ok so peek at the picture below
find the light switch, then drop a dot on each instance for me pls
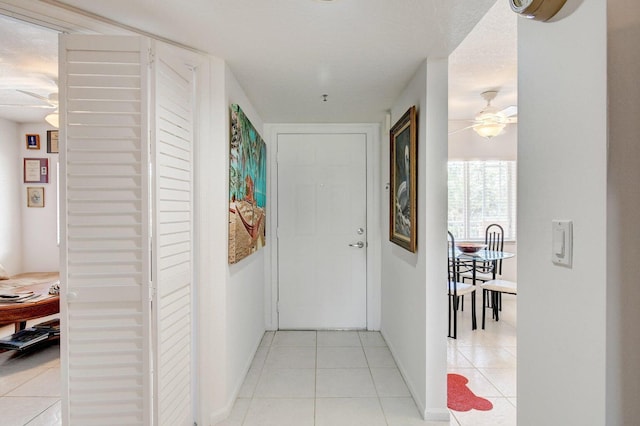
(561, 242)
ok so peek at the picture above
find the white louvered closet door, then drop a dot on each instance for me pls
(105, 245)
(172, 159)
(126, 207)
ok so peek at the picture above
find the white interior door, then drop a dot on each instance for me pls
(322, 238)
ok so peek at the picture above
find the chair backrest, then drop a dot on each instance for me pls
(494, 239)
(451, 268)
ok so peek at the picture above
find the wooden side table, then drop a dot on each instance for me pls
(19, 313)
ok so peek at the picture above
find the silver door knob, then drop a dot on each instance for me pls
(359, 244)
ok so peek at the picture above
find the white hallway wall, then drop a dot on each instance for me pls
(10, 197)
(247, 280)
(230, 297)
(40, 250)
(28, 234)
(562, 152)
(414, 300)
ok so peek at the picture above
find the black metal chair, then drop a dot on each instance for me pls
(457, 289)
(494, 289)
(485, 271)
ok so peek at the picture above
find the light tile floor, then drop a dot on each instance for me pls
(324, 378)
(488, 359)
(311, 378)
(30, 387)
(350, 378)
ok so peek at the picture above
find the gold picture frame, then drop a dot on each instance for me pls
(404, 170)
(33, 141)
(35, 196)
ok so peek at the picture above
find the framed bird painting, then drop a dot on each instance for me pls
(404, 170)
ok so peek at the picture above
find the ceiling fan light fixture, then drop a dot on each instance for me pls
(53, 119)
(491, 121)
(491, 115)
(489, 129)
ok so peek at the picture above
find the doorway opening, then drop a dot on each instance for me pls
(482, 191)
(29, 224)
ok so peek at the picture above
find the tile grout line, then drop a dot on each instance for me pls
(386, 420)
(40, 413)
(253, 393)
(497, 348)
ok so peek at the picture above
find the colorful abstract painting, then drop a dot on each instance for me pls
(247, 187)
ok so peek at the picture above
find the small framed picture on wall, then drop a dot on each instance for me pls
(33, 141)
(36, 170)
(35, 196)
(52, 142)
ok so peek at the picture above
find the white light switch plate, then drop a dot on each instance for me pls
(562, 242)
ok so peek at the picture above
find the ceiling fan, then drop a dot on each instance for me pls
(13, 98)
(51, 102)
(491, 121)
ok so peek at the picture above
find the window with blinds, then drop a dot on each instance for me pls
(481, 193)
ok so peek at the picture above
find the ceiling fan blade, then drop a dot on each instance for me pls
(460, 130)
(512, 120)
(35, 95)
(510, 111)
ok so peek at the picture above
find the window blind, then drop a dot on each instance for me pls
(481, 193)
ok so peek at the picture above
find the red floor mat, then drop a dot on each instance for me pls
(461, 398)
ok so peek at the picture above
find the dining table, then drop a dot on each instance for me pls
(469, 262)
(482, 256)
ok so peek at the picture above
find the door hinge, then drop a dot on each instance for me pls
(278, 307)
(151, 57)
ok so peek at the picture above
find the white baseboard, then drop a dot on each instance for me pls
(436, 415)
(224, 412)
(428, 414)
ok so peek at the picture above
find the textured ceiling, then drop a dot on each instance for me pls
(28, 61)
(287, 54)
(485, 60)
